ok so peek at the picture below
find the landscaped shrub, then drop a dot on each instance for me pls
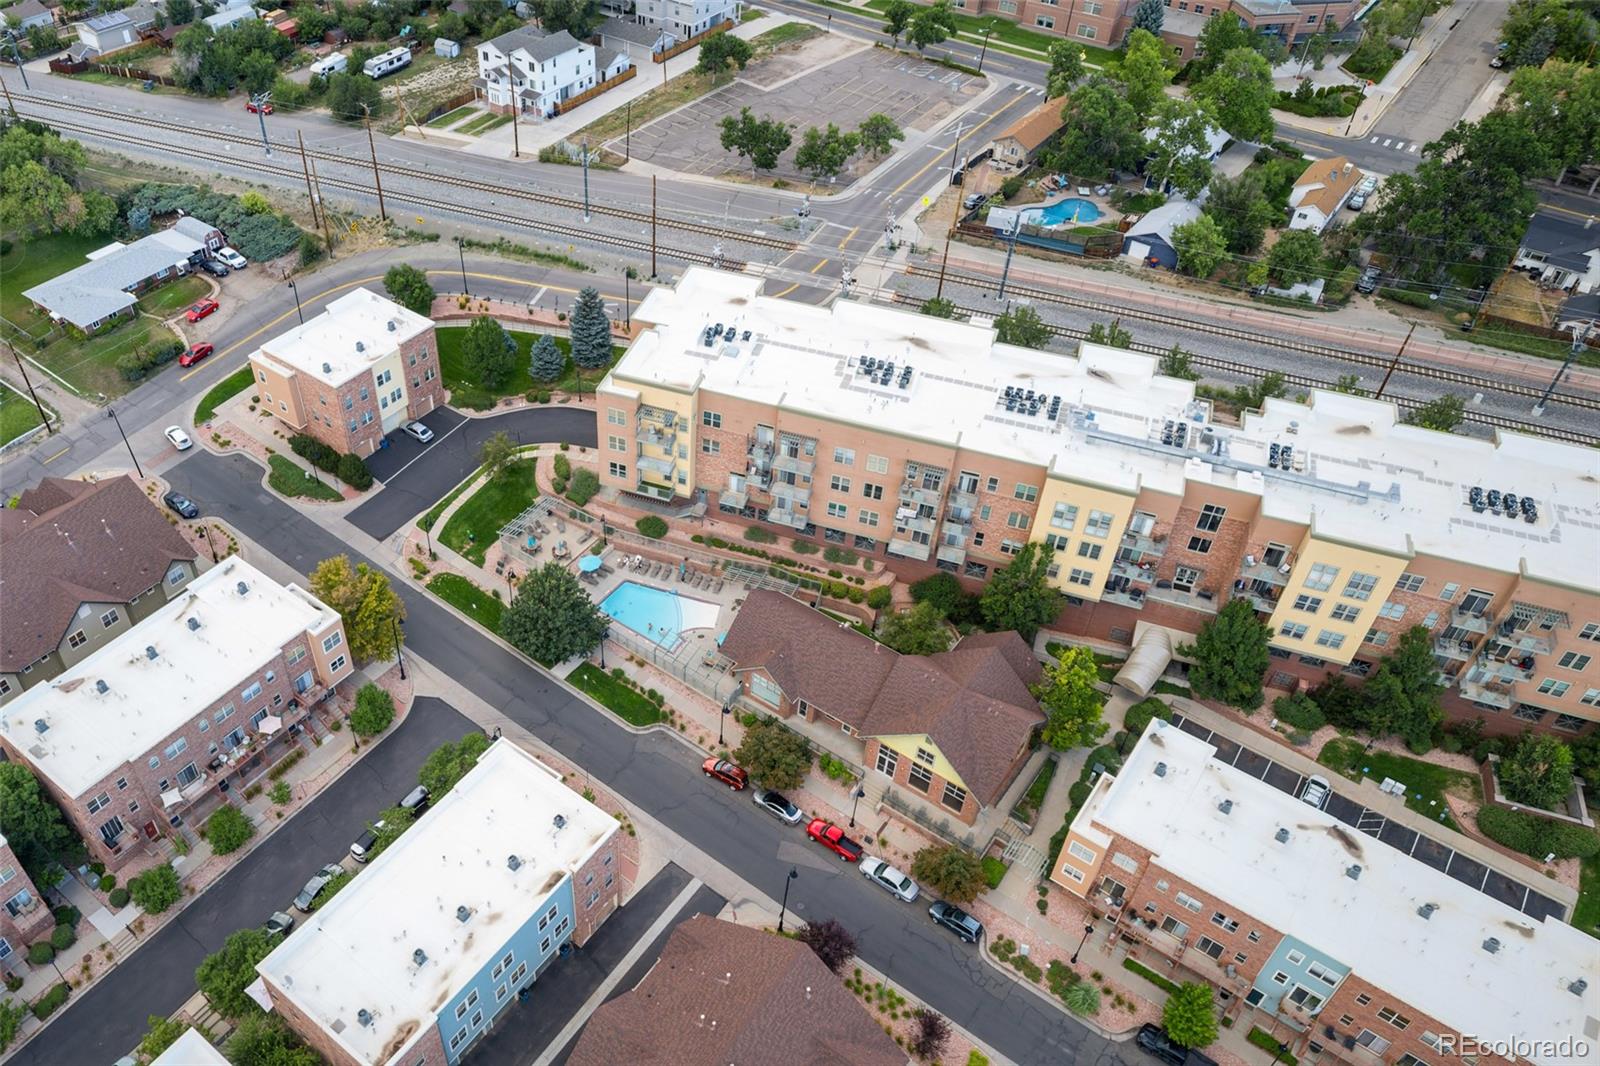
(563, 466)
(108, 882)
(63, 937)
(1537, 837)
(803, 547)
(315, 452)
(353, 472)
(228, 829)
(585, 483)
(156, 889)
(1300, 711)
(757, 535)
(120, 897)
(51, 1001)
(135, 365)
(258, 235)
(373, 712)
(1078, 793)
(652, 526)
(1406, 296)
(67, 914)
(843, 556)
(1138, 716)
(41, 952)
(880, 597)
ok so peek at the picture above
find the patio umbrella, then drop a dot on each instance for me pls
(270, 725)
(589, 563)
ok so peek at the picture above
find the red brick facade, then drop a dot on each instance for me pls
(25, 916)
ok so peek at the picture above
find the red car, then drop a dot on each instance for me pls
(200, 310)
(832, 837)
(195, 354)
(726, 772)
(250, 106)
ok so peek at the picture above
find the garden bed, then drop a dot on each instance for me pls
(618, 696)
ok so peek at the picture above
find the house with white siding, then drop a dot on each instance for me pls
(533, 72)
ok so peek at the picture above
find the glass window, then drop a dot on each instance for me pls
(1076, 576)
(1409, 583)
(844, 456)
(1308, 604)
(1573, 661)
(1026, 492)
(877, 464)
(919, 777)
(616, 416)
(1292, 630)
(1210, 518)
(1099, 524)
(1200, 545)
(1320, 577)
(1064, 516)
(1360, 586)
(887, 760)
(711, 418)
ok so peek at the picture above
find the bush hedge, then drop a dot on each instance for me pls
(40, 952)
(880, 597)
(353, 472)
(120, 897)
(51, 1001)
(137, 364)
(585, 483)
(652, 526)
(1139, 715)
(257, 235)
(1537, 837)
(63, 937)
(1300, 711)
(1406, 296)
(349, 468)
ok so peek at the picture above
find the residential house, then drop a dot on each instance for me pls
(1216, 141)
(1321, 193)
(925, 444)
(210, 237)
(231, 15)
(30, 13)
(1318, 927)
(107, 33)
(684, 18)
(191, 1049)
(951, 730)
(199, 698)
(84, 562)
(1149, 239)
(416, 958)
(1580, 313)
(721, 993)
(26, 916)
(1020, 143)
(635, 39)
(353, 374)
(529, 71)
(1561, 252)
(97, 294)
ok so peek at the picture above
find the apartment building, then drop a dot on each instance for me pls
(84, 561)
(686, 18)
(1361, 949)
(531, 71)
(925, 444)
(353, 374)
(413, 961)
(26, 917)
(195, 700)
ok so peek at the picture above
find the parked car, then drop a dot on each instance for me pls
(250, 106)
(418, 431)
(1154, 1041)
(280, 922)
(361, 850)
(228, 255)
(203, 308)
(972, 199)
(1316, 791)
(195, 353)
(726, 772)
(1368, 281)
(885, 876)
(1357, 202)
(777, 806)
(215, 267)
(416, 801)
(180, 503)
(1369, 185)
(314, 887)
(834, 839)
(957, 921)
(180, 440)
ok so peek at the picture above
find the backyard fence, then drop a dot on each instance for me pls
(589, 94)
(684, 45)
(448, 105)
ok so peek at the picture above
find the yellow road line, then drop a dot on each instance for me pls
(847, 236)
(785, 292)
(59, 454)
(819, 266)
(935, 160)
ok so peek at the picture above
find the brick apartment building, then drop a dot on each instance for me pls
(924, 443)
(413, 961)
(353, 374)
(84, 561)
(26, 917)
(202, 695)
(1351, 944)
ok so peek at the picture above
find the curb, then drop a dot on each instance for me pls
(1087, 1022)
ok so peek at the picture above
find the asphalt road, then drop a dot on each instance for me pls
(658, 772)
(102, 1024)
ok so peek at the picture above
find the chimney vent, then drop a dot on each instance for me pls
(364, 1016)
(463, 912)
(560, 822)
(1426, 910)
(1282, 835)
(242, 589)
(1492, 945)
(194, 625)
(1226, 806)
(419, 956)
(41, 726)
(1161, 769)
(150, 652)
(1353, 872)
(360, 346)
(1577, 987)
(513, 863)
(101, 687)
(391, 325)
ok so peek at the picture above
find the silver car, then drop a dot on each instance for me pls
(780, 808)
(1316, 791)
(885, 876)
(418, 431)
(314, 887)
(280, 923)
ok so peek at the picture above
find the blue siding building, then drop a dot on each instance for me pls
(1299, 973)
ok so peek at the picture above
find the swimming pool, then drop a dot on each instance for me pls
(1072, 209)
(658, 615)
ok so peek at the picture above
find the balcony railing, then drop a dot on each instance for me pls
(658, 438)
(1139, 575)
(1453, 649)
(917, 496)
(1195, 601)
(952, 553)
(794, 464)
(1272, 575)
(1258, 599)
(1491, 669)
(1471, 621)
(967, 501)
(1132, 596)
(664, 467)
(736, 500)
(1143, 544)
(1493, 693)
(784, 516)
(658, 416)
(955, 532)
(909, 549)
(918, 524)
(1524, 641)
(651, 489)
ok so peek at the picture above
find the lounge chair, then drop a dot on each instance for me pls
(719, 585)
(561, 527)
(604, 571)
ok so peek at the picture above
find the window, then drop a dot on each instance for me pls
(1305, 998)
(1430, 619)
(1360, 586)
(1392, 610)
(1171, 925)
(1086, 31)
(877, 464)
(1211, 518)
(477, 1015)
(227, 709)
(98, 803)
(1320, 578)
(844, 456)
(888, 759)
(1079, 852)
(838, 510)
(1295, 958)
(296, 653)
(1064, 516)
(616, 416)
(1222, 920)
(111, 831)
(711, 418)
(1292, 630)
(1017, 520)
(332, 640)
(1551, 687)
(251, 692)
(1080, 577)
(1044, 22)
(1026, 492)
(122, 783)
(177, 747)
(1280, 978)
(1363, 999)
(1345, 612)
(1317, 971)
(619, 470)
(1184, 578)
(871, 491)
(1590, 631)
(1254, 937)
(1055, 543)
(1208, 946)
(919, 777)
(337, 665)
(1202, 545)
(839, 484)
(620, 444)
(1449, 591)
(1099, 524)
(1189, 902)
(1308, 604)
(1091, 7)
(1328, 639)
(77, 639)
(1573, 661)
(1591, 698)
(1409, 583)
(1125, 862)
(955, 797)
(1394, 1018)
(868, 518)
(110, 618)
(1088, 551)
(188, 775)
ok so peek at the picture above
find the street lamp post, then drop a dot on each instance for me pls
(727, 709)
(206, 532)
(1086, 931)
(782, 909)
(985, 50)
(296, 290)
(394, 627)
(461, 252)
(1283, 1049)
(855, 800)
(111, 413)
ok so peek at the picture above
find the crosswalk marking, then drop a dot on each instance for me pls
(1374, 140)
(1413, 147)
(1387, 141)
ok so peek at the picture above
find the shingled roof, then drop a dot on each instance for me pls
(724, 993)
(973, 700)
(72, 542)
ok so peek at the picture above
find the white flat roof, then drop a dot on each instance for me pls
(355, 953)
(1359, 475)
(1437, 965)
(91, 733)
(355, 331)
(190, 1049)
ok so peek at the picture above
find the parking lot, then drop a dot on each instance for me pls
(813, 85)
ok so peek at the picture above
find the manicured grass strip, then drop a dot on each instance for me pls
(484, 123)
(450, 118)
(17, 414)
(427, 521)
(476, 523)
(1586, 914)
(465, 392)
(1150, 975)
(993, 871)
(221, 393)
(469, 599)
(173, 296)
(288, 478)
(1426, 783)
(1269, 1043)
(1028, 805)
(631, 706)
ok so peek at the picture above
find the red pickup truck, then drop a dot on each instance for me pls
(832, 837)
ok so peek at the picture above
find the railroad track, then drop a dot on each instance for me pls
(428, 202)
(472, 184)
(1475, 382)
(1305, 381)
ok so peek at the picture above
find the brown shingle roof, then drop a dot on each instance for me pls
(973, 700)
(1037, 126)
(724, 993)
(1328, 182)
(71, 542)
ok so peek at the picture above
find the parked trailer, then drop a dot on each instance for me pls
(386, 63)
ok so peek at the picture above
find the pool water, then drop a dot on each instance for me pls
(1072, 209)
(658, 615)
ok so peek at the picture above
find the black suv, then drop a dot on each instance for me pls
(957, 921)
(1368, 281)
(1154, 1041)
(180, 503)
(215, 267)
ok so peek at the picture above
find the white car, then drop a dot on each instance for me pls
(419, 431)
(1316, 791)
(885, 876)
(232, 258)
(180, 440)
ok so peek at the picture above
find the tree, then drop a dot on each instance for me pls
(897, 15)
(1144, 73)
(939, 307)
(1239, 94)
(1443, 413)
(1239, 205)
(1402, 695)
(775, 755)
(1538, 772)
(721, 49)
(955, 873)
(1102, 131)
(1113, 335)
(497, 453)
(33, 824)
(1201, 246)
(1066, 67)
(366, 602)
(449, 763)
(831, 941)
(224, 975)
(156, 889)
(1536, 29)
(824, 152)
(1296, 257)
(1230, 656)
(228, 829)
(1562, 101)
(591, 330)
(921, 630)
(761, 140)
(929, 1035)
(1071, 703)
(1149, 16)
(163, 1032)
(353, 96)
(877, 134)
(577, 17)
(180, 12)
(551, 619)
(1178, 364)
(396, 820)
(374, 711)
(945, 592)
(408, 287)
(257, 72)
(488, 352)
(1019, 595)
(933, 24)
(1222, 33)
(263, 1040)
(1022, 326)
(546, 362)
(1180, 148)
(1190, 1016)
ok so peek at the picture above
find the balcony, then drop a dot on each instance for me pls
(915, 496)
(657, 437)
(954, 533)
(1139, 575)
(784, 516)
(1453, 649)
(794, 464)
(665, 467)
(1471, 621)
(1495, 668)
(653, 490)
(737, 500)
(1194, 601)
(657, 416)
(1262, 601)
(1144, 544)
(952, 553)
(915, 523)
(966, 501)
(1272, 575)
(1522, 641)
(758, 477)
(1490, 693)
(908, 549)
(1128, 596)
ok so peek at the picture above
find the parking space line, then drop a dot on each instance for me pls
(439, 440)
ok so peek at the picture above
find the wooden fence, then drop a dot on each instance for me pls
(1529, 329)
(68, 66)
(449, 105)
(589, 94)
(683, 46)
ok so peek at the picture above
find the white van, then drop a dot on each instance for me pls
(334, 64)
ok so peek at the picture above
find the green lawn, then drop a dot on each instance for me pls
(288, 478)
(1586, 915)
(1426, 783)
(17, 414)
(477, 522)
(787, 33)
(30, 262)
(450, 118)
(471, 394)
(221, 393)
(632, 707)
(468, 598)
(91, 364)
(173, 297)
(994, 871)
(484, 123)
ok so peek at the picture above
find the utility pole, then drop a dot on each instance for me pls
(1580, 333)
(1011, 249)
(111, 413)
(310, 193)
(516, 141)
(653, 226)
(985, 50)
(7, 89)
(259, 102)
(29, 383)
(327, 229)
(461, 251)
(372, 148)
(627, 139)
(1394, 363)
(586, 179)
(16, 53)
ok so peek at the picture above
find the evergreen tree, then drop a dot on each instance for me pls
(591, 330)
(551, 618)
(488, 352)
(1149, 16)
(1230, 656)
(546, 362)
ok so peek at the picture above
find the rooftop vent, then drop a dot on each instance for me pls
(419, 956)
(327, 368)
(1492, 945)
(1353, 872)
(463, 912)
(391, 325)
(41, 726)
(194, 625)
(1281, 836)
(101, 687)
(513, 863)
(1426, 910)
(1161, 769)
(150, 652)
(1577, 987)
(361, 346)
(560, 821)
(242, 589)
(364, 1016)
(1226, 806)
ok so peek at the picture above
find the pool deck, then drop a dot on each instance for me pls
(702, 643)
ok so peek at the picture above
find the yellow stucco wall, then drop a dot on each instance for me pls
(908, 743)
(1086, 498)
(1348, 560)
(683, 405)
